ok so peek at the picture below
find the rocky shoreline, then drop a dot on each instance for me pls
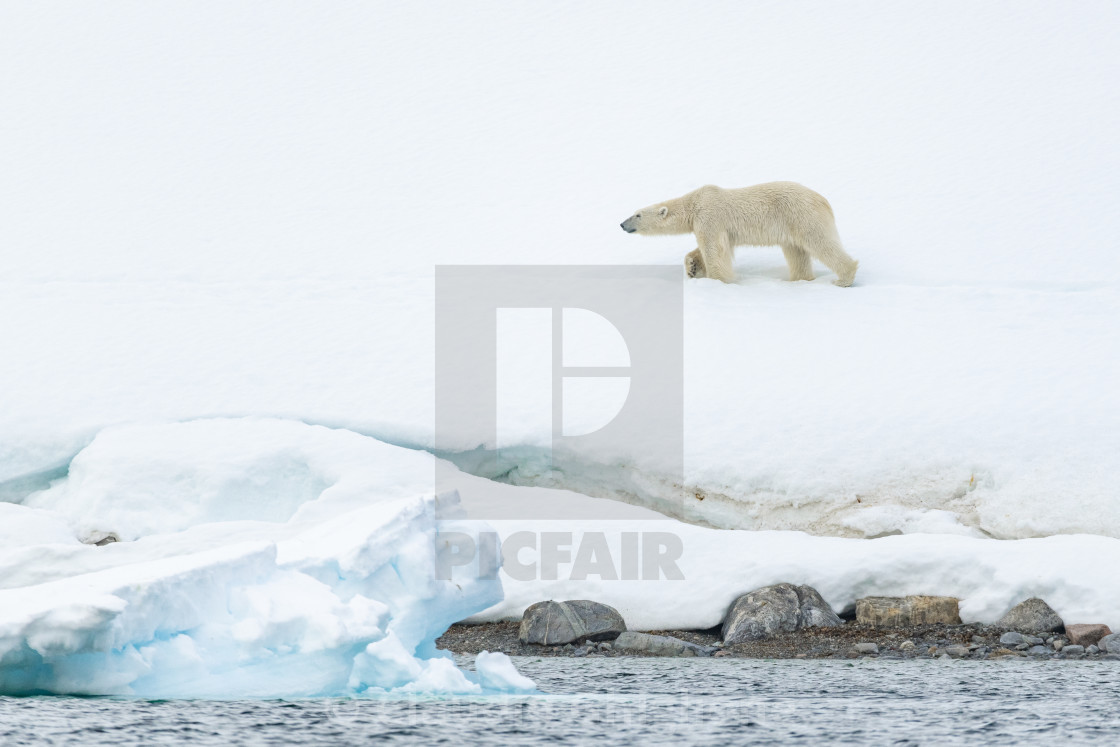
(851, 641)
(785, 621)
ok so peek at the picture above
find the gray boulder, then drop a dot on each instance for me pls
(1032, 616)
(555, 623)
(782, 608)
(658, 645)
(1110, 644)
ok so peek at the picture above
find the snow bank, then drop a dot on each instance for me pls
(716, 566)
(335, 594)
(851, 412)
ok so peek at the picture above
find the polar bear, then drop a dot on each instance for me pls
(776, 213)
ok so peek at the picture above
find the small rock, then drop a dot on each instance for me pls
(605, 645)
(1110, 643)
(900, 612)
(1073, 650)
(906, 646)
(100, 539)
(978, 639)
(781, 608)
(955, 652)
(1033, 640)
(1085, 635)
(1011, 638)
(945, 657)
(580, 652)
(1038, 650)
(866, 648)
(721, 654)
(1033, 616)
(1023, 646)
(1092, 650)
(658, 645)
(552, 623)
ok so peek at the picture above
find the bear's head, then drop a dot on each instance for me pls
(656, 219)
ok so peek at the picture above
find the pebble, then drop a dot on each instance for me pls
(866, 648)
(906, 646)
(956, 652)
(1039, 650)
(1073, 650)
(1093, 650)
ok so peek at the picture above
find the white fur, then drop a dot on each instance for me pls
(784, 214)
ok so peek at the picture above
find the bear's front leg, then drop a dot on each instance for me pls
(715, 251)
(694, 264)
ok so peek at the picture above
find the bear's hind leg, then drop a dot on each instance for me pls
(694, 264)
(832, 255)
(799, 261)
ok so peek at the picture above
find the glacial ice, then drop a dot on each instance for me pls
(333, 594)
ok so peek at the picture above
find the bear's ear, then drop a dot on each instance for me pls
(663, 211)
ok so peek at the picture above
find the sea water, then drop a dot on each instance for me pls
(639, 701)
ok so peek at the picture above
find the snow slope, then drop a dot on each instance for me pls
(236, 211)
(852, 412)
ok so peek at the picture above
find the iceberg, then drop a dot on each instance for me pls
(329, 590)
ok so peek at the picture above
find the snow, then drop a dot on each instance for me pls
(220, 228)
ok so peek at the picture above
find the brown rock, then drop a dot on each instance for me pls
(1086, 635)
(901, 612)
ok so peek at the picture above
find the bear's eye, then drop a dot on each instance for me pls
(639, 215)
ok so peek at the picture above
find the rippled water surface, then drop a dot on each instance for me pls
(640, 701)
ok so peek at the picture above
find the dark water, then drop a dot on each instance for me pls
(641, 701)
